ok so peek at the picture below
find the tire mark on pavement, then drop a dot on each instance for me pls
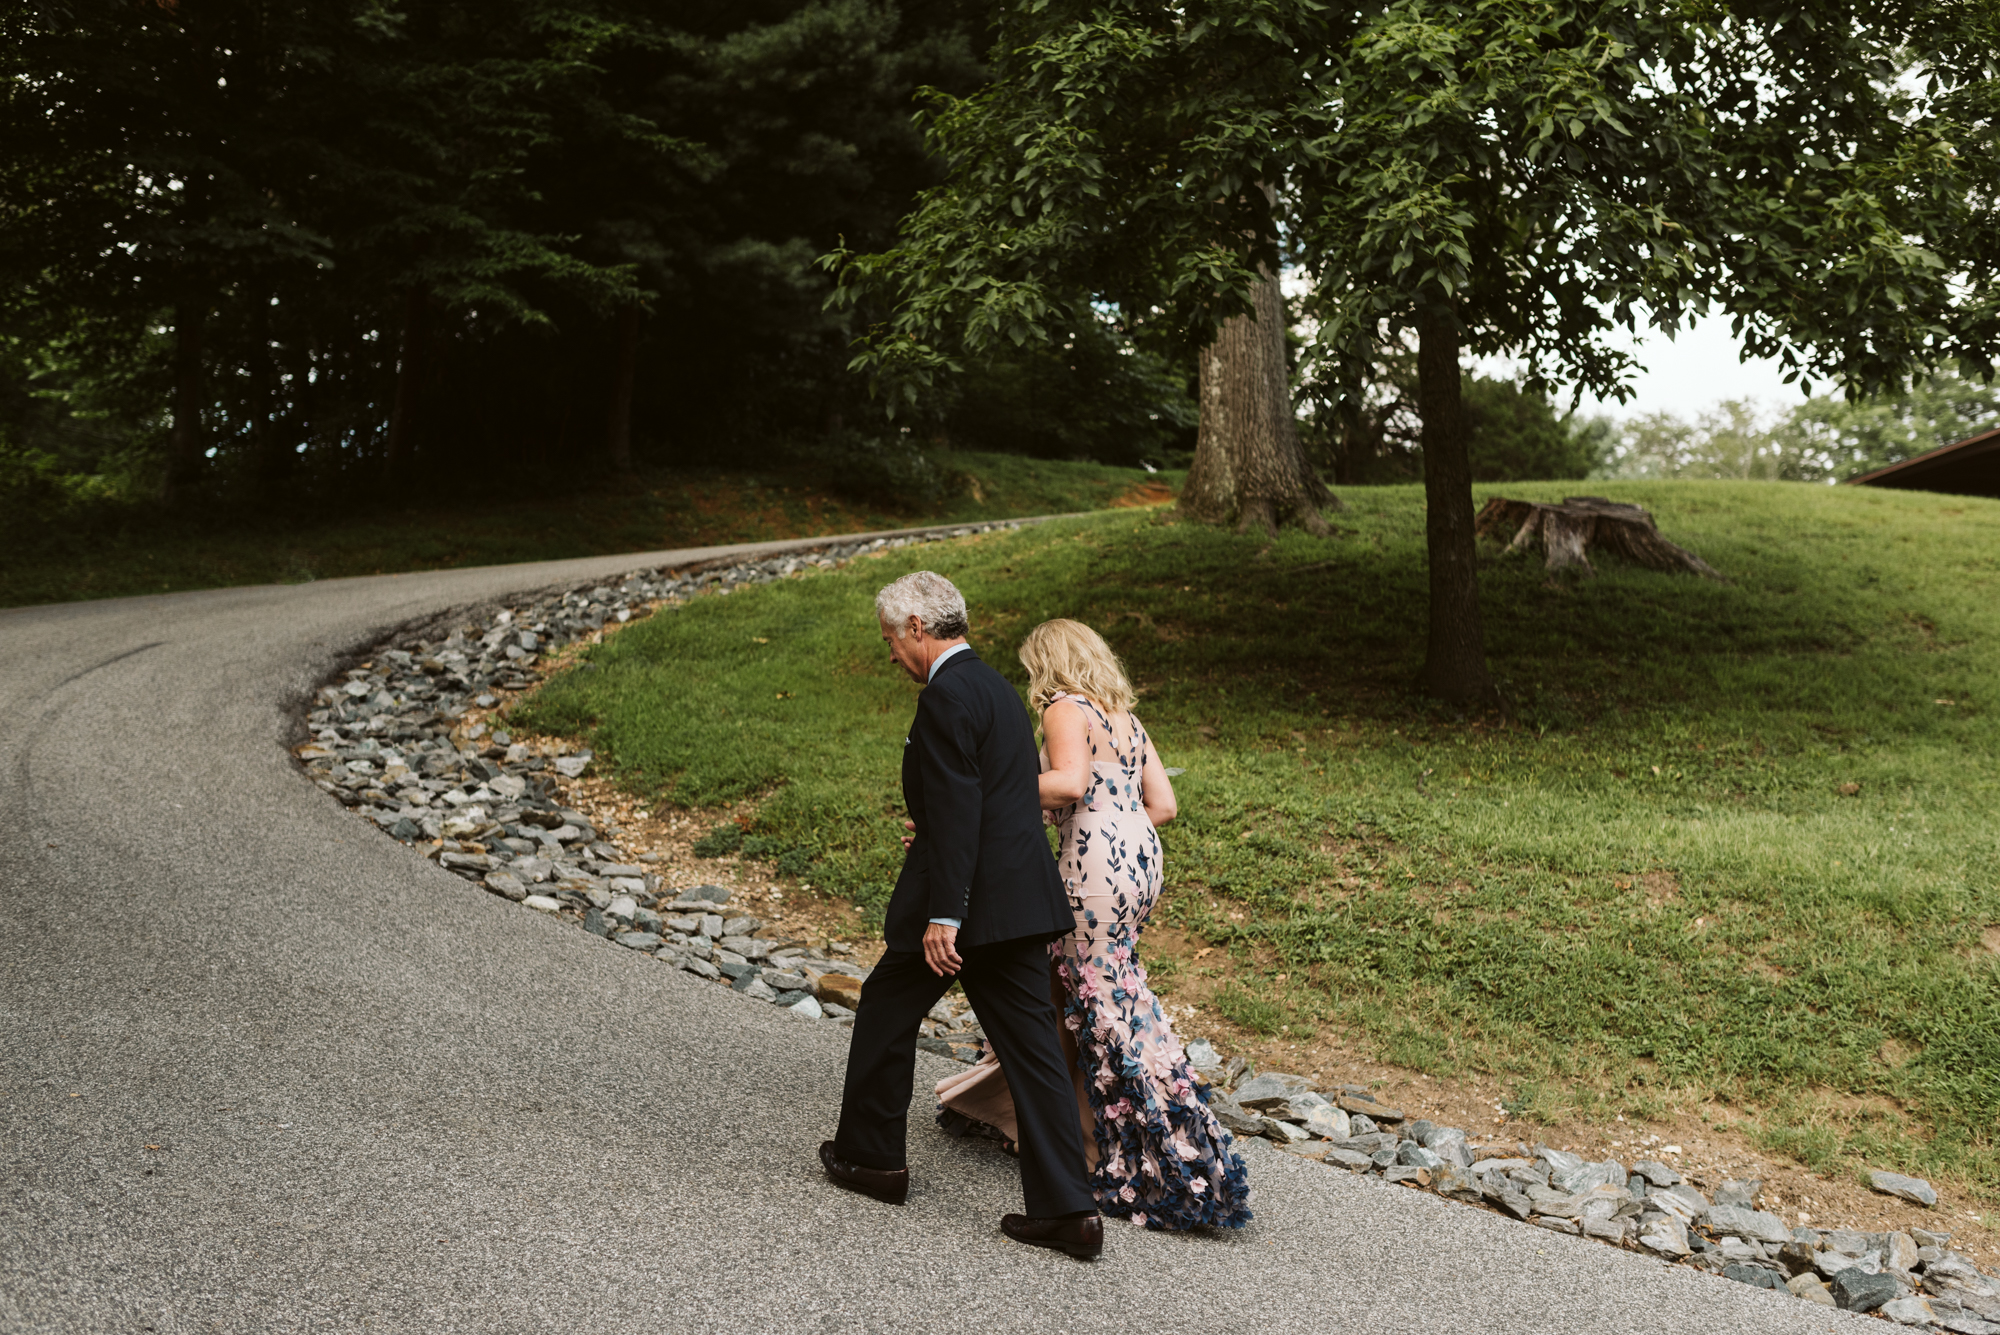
(115, 658)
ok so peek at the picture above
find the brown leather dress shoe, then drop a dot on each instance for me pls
(1082, 1238)
(891, 1186)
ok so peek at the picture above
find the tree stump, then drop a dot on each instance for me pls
(1568, 532)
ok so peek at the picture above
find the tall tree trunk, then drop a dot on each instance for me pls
(625, 373)
(1455, 660)
(414, 366)
(187, 445)
(1248, 463)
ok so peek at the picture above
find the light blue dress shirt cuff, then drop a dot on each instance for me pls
(948, 922)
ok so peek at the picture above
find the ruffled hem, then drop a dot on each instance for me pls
(1141, 1175)
(1172, 1202)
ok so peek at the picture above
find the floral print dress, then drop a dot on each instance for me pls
(1161, 1158)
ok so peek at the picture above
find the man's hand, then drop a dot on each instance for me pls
(940, 949)
(909, 839)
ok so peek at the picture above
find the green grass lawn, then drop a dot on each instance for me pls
(154, 553)
(1741, 839)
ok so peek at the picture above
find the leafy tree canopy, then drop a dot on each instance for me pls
(1545, 172)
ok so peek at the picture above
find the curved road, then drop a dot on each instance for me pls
(262, 1069)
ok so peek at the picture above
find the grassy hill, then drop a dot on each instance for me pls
(1741, 838)
(59, 559)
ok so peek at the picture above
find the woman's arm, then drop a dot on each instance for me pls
(1157, 788)
(1066, 735)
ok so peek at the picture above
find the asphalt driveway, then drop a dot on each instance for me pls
(262, 1069)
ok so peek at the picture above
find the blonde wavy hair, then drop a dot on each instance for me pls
(1069, 657)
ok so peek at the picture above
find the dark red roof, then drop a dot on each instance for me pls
(1970, 467)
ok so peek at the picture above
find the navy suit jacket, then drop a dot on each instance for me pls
(980, 853)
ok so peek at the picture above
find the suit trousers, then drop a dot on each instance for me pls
(1008, 985)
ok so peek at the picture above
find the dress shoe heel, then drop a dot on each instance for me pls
(891, 1186)
(1082, 1237)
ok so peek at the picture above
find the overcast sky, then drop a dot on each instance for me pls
(1694, 372)
(1698, 370)
(1685, 376)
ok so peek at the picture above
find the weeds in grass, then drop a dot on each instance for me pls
(719, 842)
(1242, 1007)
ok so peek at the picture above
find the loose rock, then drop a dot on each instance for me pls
(1283, 1132)
(1268, 1089)
(1743, 1222)
(1328, 1123)
(506, 885)
(1360, 1103)
(1583, 1177)
(1414, 1155)
(839, 989)
(1910, 1311)
(1452, 1180)
(1656, 1173)
(1858, 1291)
(1739, 1193)
(1667, 1236)
(1607, 1229)
(1912, 1189)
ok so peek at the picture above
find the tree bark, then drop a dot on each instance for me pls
(1568, 532)
(1248, 463)
(413, 367)
(187, 445)
(1455, 659)
(618, 437)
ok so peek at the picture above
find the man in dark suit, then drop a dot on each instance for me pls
(979, 899)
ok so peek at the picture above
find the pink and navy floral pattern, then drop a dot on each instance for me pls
(1163, 1159)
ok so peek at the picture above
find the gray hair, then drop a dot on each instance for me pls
(932, 599)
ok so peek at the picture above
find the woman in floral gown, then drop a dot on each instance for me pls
(1157, 1155)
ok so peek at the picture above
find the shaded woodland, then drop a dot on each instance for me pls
(259, 248)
